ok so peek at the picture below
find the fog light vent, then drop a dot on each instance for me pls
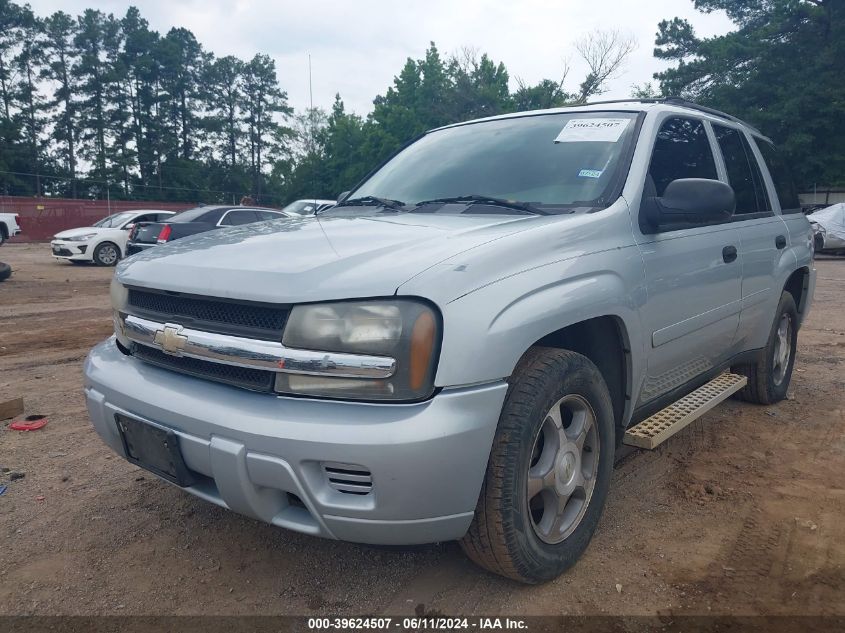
(349, 479)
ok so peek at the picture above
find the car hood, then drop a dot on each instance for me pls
(85, 230)
(314, 258)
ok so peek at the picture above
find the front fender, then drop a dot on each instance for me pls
(488, 330)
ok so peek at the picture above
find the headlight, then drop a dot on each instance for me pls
(119, 299)
(81, 238)
(402, 329)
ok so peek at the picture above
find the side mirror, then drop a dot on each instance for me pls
(689, 202)
(343, 196)
(129, 226)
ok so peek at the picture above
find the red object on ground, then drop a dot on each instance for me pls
(30, 423)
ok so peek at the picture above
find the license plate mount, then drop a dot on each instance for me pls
(155, 449)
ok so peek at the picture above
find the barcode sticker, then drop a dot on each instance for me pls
(597, 130)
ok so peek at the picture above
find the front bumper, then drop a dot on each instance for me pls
(254, 451)
(65, 249)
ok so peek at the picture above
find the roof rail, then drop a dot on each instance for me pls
(682, 103)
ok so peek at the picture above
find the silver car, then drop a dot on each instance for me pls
(457, 348)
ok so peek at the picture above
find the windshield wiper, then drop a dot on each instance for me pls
(479, 199)
(371, 201)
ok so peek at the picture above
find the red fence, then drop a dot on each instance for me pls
(41, 218)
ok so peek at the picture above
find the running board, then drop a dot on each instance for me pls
(666, 422)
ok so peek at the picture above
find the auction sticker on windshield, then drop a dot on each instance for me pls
(601, 130)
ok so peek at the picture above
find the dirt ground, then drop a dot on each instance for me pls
(741, 513)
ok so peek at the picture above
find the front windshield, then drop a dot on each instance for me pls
(114, 221)
(301, 207)
(551, 160)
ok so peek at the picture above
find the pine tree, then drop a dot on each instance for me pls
(27, 64)
(266, 110)
(92, 75)
(61, 56)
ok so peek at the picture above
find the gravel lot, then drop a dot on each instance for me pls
(741, 513)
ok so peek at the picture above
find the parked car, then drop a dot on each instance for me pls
(197, 220)
(8, 226)
(457, 348)
(309, 206)
(829, 229)
(104, 242)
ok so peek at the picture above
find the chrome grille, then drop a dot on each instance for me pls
(250, 319)
(348, 478)
(247, 378)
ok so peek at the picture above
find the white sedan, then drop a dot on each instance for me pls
(104, 243)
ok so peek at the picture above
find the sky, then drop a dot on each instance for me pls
(358, 46)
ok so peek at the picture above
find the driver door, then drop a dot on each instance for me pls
(693, 275)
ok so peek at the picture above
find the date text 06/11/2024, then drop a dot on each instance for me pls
(418, 623)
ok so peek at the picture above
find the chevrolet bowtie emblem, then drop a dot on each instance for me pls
(171, 340)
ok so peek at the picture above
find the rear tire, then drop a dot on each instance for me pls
(768, 378)
(106, 254)
(536, 467)
(5, 271)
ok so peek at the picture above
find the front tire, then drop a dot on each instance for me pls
(106, 254)
(768, 378)
(549, 469)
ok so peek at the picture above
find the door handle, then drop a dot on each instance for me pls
(729, 254)
(780, 241)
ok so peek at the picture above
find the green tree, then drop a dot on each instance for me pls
(11, 26)
(92, 75)
(265, 110)
(182, 60)
(479, 87)
(27, 64)
(143, 69)
(122, 154)
(61, 56)
(224, 99)
(780, 69)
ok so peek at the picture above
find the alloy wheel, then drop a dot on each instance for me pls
(782, 349)
(563, 469)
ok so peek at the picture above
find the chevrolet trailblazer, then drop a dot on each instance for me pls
(457, 348)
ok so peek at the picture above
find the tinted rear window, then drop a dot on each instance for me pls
(198, 214)
(743, 171)
(781, 177)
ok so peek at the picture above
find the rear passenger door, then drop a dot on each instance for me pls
(762, 235)
(693, 275)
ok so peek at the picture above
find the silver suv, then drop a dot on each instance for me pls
(456, 350)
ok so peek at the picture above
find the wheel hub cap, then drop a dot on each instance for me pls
(565, 471)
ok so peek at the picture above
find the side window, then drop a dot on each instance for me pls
(681, 150)
(784, 187)
(147, 217)
(268, 215)
(161, 217)
(238, 217)
(743, 171)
